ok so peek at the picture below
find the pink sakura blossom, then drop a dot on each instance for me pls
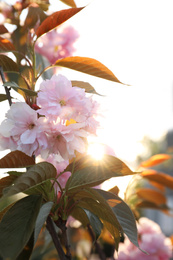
(57, 98)
(57, 44)
(64, 139)
(22, 130)
(151, 240)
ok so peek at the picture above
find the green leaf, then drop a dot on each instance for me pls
(36, 175)
(6, 45)
(15, 86)
(91, 200)
(41, 218)
(27, 250)
(56, 19)
(88, 88)
(17, 226)
(3, 97)
(8, 64)
(16, 159)
(79, 214)
(95, 223)
(69, 2)
(124, 215)
(87, 65)
(89, 173)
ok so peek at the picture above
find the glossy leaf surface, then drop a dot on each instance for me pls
(123, 214)
(87, 65)
(16, 159)
(88, 172)
(56, 19)
(36, 175)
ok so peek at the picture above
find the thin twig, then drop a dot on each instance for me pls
(55, 239)
(7, 91)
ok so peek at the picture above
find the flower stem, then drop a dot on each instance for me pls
(55, 239)
(7, 91)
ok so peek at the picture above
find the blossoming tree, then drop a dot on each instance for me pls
(47, 134)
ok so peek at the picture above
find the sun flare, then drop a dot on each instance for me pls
(96, 150)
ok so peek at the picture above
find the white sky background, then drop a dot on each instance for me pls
(134, 39)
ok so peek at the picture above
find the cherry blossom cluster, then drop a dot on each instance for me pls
(57, 43)
(57, 129)
(151, 240)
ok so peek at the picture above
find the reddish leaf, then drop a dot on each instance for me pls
(56, 19)
(147, 204)
(156, 159)
(16, 159)
(6, 45)
(35, 13)
(8, 64)
(152, 196)
(69, 2)
(158, 177)
(81, 84)
(6, 182)
(3, 29)
(158, 186)
(89, 66)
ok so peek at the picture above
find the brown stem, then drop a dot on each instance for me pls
(7, 91)
(97, 246)
(55, 239)
(62, 225)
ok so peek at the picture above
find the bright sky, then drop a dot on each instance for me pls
(135, 40)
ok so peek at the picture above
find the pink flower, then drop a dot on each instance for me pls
(57, 98)
(57, 43)
(23, 127)
(64, 140)
(151, 240)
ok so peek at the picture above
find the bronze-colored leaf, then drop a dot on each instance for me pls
(156, 159)
(151, 195)
(151, 205)
(6, 182)
(81, 84)
(56, 19)
(8, 64)
(3, 29)
(69, 3)
(159, 177)
(3, 97)
(35, 13)
(6, 45)
(87, 65)
(16, 159)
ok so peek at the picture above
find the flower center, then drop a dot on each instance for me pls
(56, 48)
(31, 126)
(62, 102)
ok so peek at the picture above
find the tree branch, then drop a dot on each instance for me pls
(51, 229)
